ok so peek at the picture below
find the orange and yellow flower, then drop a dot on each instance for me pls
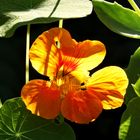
(71, 91)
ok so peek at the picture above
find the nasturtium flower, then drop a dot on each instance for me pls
(71, 91)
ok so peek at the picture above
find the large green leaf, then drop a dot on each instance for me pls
(14, 13)
(17, 123)
(118, 18)
(133, 72)
(130, 122)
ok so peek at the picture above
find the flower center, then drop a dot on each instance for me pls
(67, 84)
(83, 86)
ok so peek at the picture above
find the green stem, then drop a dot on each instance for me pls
(134, 5)
(60, 26)
(27, 54)
(60, 23)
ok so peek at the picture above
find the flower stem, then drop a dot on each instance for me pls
(60, 26)
(60, 23)
(134, 5)
(27, 54)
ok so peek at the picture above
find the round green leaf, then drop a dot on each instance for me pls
(133, 72)
(117, 18)
(17, 123)
(130, 122)
(14, 13)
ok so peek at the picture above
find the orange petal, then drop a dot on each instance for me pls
(81, 107)
(109, 85)
(87, 54)
(45, 51)
(40, 99)
(84, 56)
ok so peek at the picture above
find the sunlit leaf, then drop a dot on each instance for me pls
(17, 123)
(14, 13)
(118, 18)
(130, 122)
(133, 72)
(136, 87)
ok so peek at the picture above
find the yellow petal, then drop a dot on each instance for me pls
(91, 54)
(45, 51)
(109, 85)
(41, 99)
(87, 54)
(82, 57)
(80, 74)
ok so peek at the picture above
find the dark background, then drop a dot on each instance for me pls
(119, 50)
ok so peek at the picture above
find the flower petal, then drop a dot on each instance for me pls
(55, 51)
(41, 99)
(82, 57)
(90, 53)
(109, 85)
(45, 51)
(87, 54)
(81, 107)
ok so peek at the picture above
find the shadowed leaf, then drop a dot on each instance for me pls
(15, 13)
(17, 123)
(130, 122)
(133, 72)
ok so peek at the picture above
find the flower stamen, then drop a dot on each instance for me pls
(83, 86)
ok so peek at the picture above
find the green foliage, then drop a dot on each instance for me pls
(136, 87)
(130, 122)
(133, 72)
(117, 18)
(15, 13)
(0, 103)
(129, 128)
(17, 123)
